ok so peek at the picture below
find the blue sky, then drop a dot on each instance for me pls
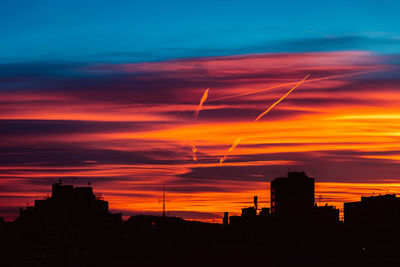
(134, 31)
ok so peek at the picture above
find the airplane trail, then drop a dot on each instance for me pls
(195, 115)
(234, 145)
(237, 141)
(292, 83)
(200, 106)
(280, 99)
(194, 150)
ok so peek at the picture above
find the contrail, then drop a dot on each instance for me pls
(237, 141)
(200, 106)
(195, 115)
(291, 83)
(280, 99)
(234, 145)
(194, 150)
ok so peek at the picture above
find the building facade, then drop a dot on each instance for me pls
(292, 197)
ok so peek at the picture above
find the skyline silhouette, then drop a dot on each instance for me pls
(73, 227)
(291, 198)
(266, 200)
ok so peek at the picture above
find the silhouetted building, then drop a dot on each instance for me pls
(225, 220)
(264, 212)
(292, 197)
(249, 212)
(249, 216)
(73, 227)
(69, 228)
(326, 215)
(375, 215)
(70, 205)
(372, 225)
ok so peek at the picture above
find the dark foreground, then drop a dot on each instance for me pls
(155, 241)
(74, 228)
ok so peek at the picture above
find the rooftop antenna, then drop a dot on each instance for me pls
(73, 181)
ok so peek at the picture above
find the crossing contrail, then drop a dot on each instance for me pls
(237, 141)
(292, 83)
(280, 99)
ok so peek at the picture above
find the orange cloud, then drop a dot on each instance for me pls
(129, 130)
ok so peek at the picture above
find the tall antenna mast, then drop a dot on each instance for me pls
(163, 200)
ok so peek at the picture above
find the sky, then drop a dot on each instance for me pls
(100, 92)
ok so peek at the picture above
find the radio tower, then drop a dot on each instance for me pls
(163, 200)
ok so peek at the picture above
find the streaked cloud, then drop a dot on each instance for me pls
(129, 128)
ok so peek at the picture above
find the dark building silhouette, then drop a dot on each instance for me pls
(70, 206)
(73, 227)
(225, 220)
(69, 228)
(373, 224)
(249, 212)
(292, 197)
(326, 215)
(375, 213)
(325, 231)
(264, 212)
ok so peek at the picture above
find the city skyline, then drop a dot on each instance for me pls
(287, 203)
(73, 226)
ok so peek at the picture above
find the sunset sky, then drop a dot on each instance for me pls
(105, 93)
